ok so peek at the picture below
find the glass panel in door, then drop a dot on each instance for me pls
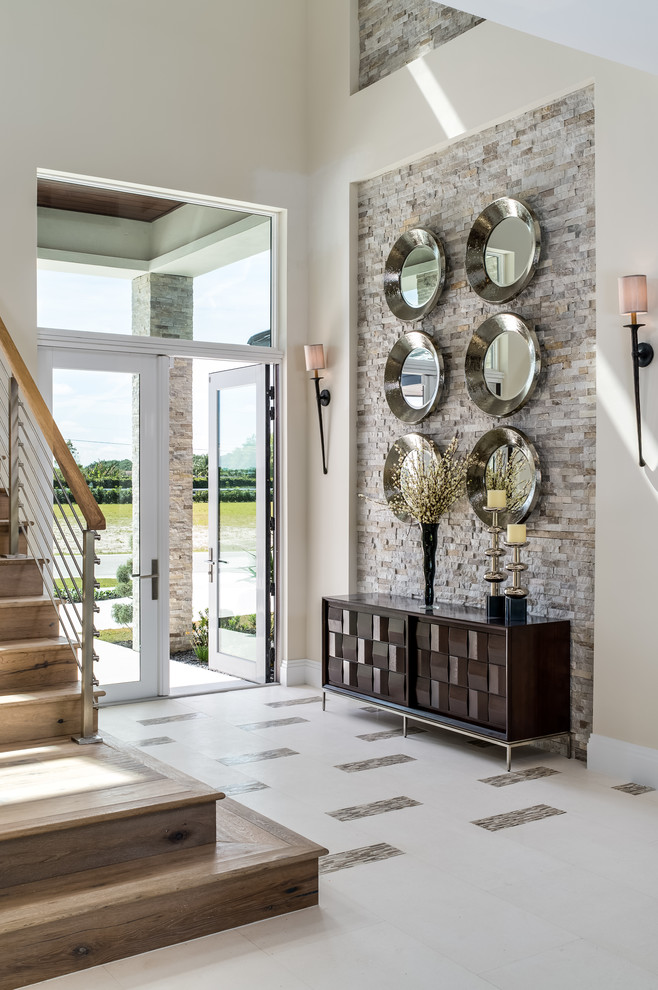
(105, 407)
(237, 495)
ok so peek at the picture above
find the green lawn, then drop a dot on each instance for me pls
(238, 527)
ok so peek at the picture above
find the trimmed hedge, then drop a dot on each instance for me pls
(124, 496)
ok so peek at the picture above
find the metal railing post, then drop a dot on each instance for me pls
(89, 560)
(13, 462)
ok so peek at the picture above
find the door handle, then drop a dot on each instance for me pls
(153, 577)
(211, 563)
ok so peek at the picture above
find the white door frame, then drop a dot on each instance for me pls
(154, 487)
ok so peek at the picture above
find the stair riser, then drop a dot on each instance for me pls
(19, 578)
(47, 720)
(35, 621)
(143, 834)
(114, 932)
(4, 542)
(39, 668)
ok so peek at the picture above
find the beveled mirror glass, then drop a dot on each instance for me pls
(503, 250)
(413, 377)
(395, 464)
(502, 364)
(504, 459)
(414, 274)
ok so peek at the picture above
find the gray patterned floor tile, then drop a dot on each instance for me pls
(520, 817)
(516, 776)
(294, 701)
(373, 808)
(271, 723)
(250, 785)
(379, 761)
(172, 718)
(155, 741)
(634, 789)
(412, 730)
(267, 754)
(356, 857)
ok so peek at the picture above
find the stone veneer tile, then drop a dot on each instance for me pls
(545, 157)
(395, 32)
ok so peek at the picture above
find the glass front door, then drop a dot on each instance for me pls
(239, 497)
(108, 410)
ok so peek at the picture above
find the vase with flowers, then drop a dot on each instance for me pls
(429, 485)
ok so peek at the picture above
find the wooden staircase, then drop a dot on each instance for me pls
(104, 853)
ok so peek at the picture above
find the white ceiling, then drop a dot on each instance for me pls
(625, 31)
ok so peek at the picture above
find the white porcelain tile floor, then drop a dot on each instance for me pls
(569, 901)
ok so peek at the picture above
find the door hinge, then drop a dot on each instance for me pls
(272, 524)
(272, 413)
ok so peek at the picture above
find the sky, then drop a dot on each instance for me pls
(93, 409)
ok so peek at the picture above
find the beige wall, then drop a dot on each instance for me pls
(186, 97)
(391, 121)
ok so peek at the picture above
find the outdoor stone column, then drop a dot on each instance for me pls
(162, 307)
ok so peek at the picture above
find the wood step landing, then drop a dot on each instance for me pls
(43, 713)
(20, 576)
(26, 664)
(66, 808)
(254, 869)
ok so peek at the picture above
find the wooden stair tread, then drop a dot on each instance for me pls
(61, 785)
(25, 602)
(44, 695)
(30, 645)
(248, 843)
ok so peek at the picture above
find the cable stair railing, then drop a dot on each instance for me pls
(52, 509)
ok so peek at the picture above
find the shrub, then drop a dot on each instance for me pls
(124, 584)
(200, 636)
(122, 613)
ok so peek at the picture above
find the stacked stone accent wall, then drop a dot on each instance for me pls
(162, 306)
(395, 32)
(546, 158)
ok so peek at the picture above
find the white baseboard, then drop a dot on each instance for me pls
(628, 762)
(294, 672)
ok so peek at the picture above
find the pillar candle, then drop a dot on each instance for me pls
(516, 533)
(496, 498)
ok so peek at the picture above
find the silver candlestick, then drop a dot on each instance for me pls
(516, 597)
(495, 577)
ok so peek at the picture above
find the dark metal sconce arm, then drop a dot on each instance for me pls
(642, 355)
(323, 398)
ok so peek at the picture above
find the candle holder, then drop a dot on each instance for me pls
(495, 577)
(516, 597)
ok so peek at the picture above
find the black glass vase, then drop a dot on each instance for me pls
(429, 533)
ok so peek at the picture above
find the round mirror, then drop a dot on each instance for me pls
(504, 460)
(503, 248)
(502, 364)
(394, 468)
(413, 377)
(414, 274)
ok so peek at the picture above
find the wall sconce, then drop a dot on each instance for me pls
(633, 300)
(314, 354)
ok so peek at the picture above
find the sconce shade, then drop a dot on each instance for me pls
(314, 354)
(633, 294)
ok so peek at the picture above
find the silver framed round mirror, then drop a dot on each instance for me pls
(504, 459)
(414, 274)
(502, 364)
(394, 465)
(413, 377)
(502, 252)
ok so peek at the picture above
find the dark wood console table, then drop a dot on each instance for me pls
(450, 667)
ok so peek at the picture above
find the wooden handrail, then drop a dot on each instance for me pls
(73, 476)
